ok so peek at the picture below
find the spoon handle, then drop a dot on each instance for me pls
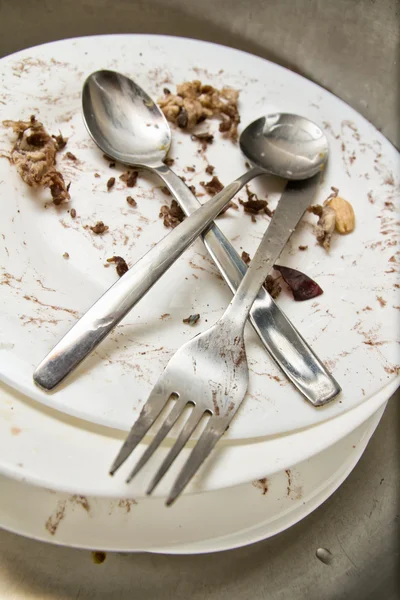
(120, 298)
(278, 335)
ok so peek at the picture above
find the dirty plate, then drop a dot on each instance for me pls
(52, 266)
(221, 522)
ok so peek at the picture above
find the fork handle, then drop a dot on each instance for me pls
(276, 332)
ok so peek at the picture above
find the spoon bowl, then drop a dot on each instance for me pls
(124, 121)
(130, 127)
(285, 145)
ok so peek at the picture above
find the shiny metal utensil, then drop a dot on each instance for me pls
(210, 371)
(128, 126)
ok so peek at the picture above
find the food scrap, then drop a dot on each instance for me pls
(131, 201)
(195, 102)
(326, 224)
(345, 218)
(110, 183)
(272, 286)
(99, 228)
(171, 215)
(210, 169)
(254, 205)
(73, 213)
(34, 156)
(129, 177)
(246, 257)
(336, 213)
(192, 319)
(66, 255)
(213, 186)
(302, 286)
(120, 264)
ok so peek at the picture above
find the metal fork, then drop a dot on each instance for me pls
(210, 371)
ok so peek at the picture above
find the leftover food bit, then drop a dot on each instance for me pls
(213, 186)
(99, 228)
(345, 218)
(168, 161)
(130, 178)
(190, 169)
(70, 156)
(205, 139)
(66, 255)
(246, 257)
(110, 183)
(34, 156)
(60, 140)
(302, 248)
(165, 190)
(210, 169)
(192, 319)
(336, 213)
(272, 286)
(195, 102)
(97, 175)
(326, 224)
(302, 286)
(120, 264)
(131, 201)
(254, 205)
(73, 213)
(171, 215)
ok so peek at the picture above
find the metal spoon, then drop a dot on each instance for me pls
(128, 126)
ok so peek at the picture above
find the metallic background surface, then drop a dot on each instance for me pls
(352, 48)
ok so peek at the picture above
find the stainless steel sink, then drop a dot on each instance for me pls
(350, 47)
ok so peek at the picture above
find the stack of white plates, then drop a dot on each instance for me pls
(281, 457)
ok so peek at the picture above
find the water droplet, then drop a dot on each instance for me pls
(324, 555)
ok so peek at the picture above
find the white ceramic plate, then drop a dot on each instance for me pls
(44, 447)
(201, 523)
(350, 326)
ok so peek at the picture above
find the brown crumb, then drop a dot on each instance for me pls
(66, 255)
(246, 257)
(210, 169)
(34, 156)
(99, 557)
(165, 190)
(73, 213)
(272, 286)
(326, 223)
(110, 183)
(171, 215)
(192, 319)
(168, 161)
(120, 264)
(97, 174)
(213, 186)
(195, 102)
(99, 228)
(381, 301)
(190, 169)
(60, 140)
(70, 156)
(129, 177)
(302, 248)
(165, 316)
(253, 204)
(131, 201)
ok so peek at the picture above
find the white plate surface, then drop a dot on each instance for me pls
(350, 326)
(207, 522)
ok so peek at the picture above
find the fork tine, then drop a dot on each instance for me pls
(149, 413)
(214, 430)
(167, 425)
(183, 437)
